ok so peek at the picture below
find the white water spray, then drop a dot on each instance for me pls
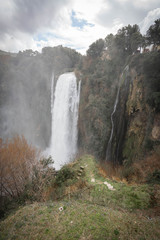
(52, 93)
(64, 112)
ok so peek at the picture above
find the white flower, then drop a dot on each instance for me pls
(93, 180)
(61, 209)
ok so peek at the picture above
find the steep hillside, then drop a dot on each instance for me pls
(131, 95)
(143, 130)
(99, 85)
(136, 136)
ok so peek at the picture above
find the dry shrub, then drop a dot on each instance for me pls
(22, 173)
(17, 159)
(146, 167)
(107, 169)
(137, 172)
(42, 180)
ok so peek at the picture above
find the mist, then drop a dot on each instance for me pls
(26, 92)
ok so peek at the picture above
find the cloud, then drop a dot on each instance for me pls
(21, 20)
(73, 23)
(128, 12)
(146, 4)
(89, 9)
(149, 20)
(74, 37)
(28, 16)
(7, 10)
(19, 42)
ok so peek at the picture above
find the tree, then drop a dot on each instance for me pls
(96, 48)
(109, 40)
(128, 39)
(137, 40)
(153, 33)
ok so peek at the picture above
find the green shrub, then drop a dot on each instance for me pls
(63, 175)
(154, 177)
(46, 161)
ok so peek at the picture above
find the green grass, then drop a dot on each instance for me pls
(92, 212)
(124, 196)
(79, 220)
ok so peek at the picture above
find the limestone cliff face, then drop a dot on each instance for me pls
(142, 133)
(119, 120)
(136, 120)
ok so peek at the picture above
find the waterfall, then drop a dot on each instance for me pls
(109, 146)
(64, 110)
(52, 92)
(108, 153)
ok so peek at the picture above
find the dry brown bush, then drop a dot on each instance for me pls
(17, 159)
(145, 167)
(107, 169)
(22, 173)
(137, 172)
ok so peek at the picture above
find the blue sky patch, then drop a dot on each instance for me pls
(80, 23)
(45, 36)
(40, 37)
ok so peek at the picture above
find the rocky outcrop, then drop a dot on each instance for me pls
(141, 134)
(136, 112)
(135, 120)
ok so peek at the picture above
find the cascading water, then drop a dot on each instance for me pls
(108, 153)
(64, 112)
(109, 146)
(52, 93)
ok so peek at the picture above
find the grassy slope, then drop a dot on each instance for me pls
(92, 212)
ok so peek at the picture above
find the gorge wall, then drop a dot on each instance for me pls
(25, 82)
(142, 136)
(136, 132)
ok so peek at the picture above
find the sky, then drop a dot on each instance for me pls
(34, 24)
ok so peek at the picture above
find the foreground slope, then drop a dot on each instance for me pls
(77, 220)
(89, 207)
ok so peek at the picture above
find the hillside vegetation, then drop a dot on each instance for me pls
(87, 208)
(120, 69)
